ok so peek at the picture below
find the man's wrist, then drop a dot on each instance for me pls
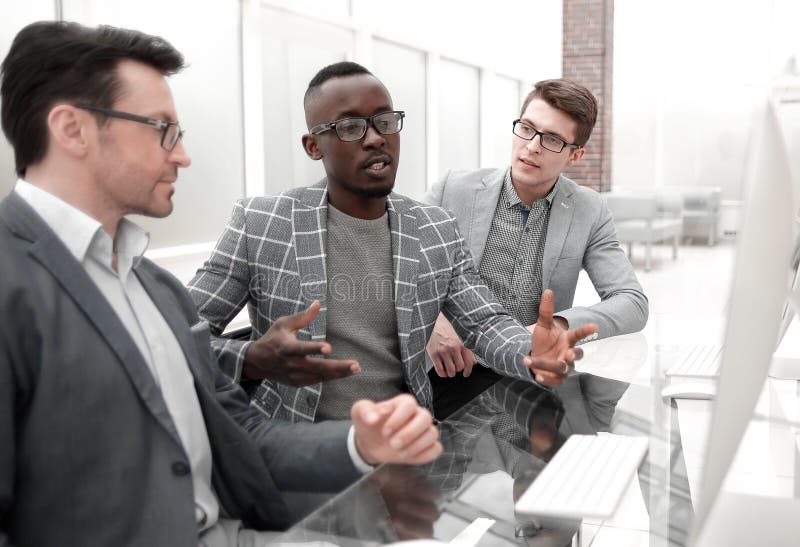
(247, 362)
(358, 461)
(254, 358)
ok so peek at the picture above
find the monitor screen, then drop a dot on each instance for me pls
(759, 289)
(792, 306)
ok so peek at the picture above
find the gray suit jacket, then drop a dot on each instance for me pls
(271, 257)
(89, 454)
(580, 234)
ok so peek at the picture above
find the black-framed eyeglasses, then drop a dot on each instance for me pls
(353, 129)
(548, 140)
(171, 132)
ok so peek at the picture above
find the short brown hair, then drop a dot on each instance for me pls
(571, 98)
(52, 61)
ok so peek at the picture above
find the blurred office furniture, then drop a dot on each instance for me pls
(646, 218)
(701, 211)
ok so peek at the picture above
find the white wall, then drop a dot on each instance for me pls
(514, 37)
(240, 100)
(208, 97)
(407, 88)
(290, 53)
(459, 105)
(687, 75)
(457, 69)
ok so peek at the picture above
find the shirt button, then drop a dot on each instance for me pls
(180, 469)
(311, 400)
(527, 229)
(513, 296)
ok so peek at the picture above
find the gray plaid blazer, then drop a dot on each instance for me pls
(271, 257)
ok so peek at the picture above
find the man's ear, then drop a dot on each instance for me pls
(311, 146)
(575, 157)
(69, 129)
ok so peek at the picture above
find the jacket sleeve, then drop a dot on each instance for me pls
(435, 194)
(623, 306)
(221, 287)
(15, 350)
(482, 323)
(7, 437)
(300, 456)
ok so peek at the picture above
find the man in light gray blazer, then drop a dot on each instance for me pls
(362, 272)
(529, 228)
(116, 425)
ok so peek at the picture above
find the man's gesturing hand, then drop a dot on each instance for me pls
(553, 350)
(279, 356)
(396, 430)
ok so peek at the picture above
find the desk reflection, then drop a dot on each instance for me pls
(511, 430)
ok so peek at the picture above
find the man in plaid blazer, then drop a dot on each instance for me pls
(275, 256)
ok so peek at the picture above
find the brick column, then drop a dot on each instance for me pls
(588, 58)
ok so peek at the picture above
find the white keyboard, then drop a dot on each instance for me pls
(586, 478)
(700, 361)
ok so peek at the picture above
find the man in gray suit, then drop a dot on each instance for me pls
(360, 271)
(530, 228)
(116, 425)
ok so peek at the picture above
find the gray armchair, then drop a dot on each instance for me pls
(648, 219)
(701, 212)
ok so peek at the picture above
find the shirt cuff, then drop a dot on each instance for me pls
(358, 461)
(237, 374)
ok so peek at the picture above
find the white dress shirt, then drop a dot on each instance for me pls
(93, 248)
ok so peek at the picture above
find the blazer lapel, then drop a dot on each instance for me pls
(170, 309)
(48, 249)
(310, 223)
(483, 207)
(405, 261)
(557, 228)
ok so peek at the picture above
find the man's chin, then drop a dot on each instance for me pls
(380, 192)
(526, 180)
(161, 210)
(374, 189)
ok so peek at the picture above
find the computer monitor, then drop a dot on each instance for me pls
(759, 289)
(791, 308)
(787, 102)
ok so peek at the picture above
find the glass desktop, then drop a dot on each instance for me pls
(498, 444)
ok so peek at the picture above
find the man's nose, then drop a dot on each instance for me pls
(179, 155)
(372, 138)
(532, 145)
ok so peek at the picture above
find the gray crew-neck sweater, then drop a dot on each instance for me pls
(361, 322)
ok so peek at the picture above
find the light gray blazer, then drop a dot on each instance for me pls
(89, 454)
(580, 234)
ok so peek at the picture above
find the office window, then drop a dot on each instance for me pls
(459, 116)
(208, 100)
(294, 49)
(504, 103)
(402, 70)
